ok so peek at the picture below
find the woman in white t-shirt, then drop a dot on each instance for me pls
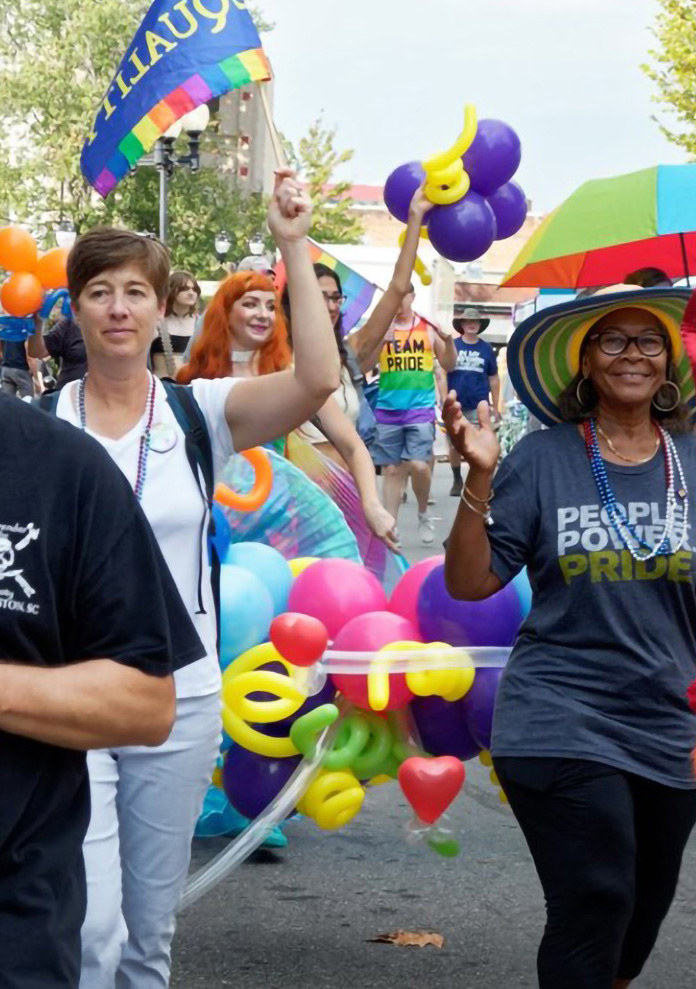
(145, 802)
(175, 330)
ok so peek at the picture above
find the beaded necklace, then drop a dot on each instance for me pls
(626, 530)
(144, 439)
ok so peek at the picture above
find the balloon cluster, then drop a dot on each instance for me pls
(474, 198)
(31, 276)
(284, 689)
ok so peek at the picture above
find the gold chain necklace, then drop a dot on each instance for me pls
(621, 456)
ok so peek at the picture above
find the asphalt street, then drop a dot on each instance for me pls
(303, 917)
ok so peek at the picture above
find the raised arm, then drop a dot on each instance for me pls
(468, 574)
(92, 705)
(342, 434)
(36, 346)
(367, 341)
(445, 351)
(261, 409)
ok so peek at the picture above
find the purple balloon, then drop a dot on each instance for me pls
(400, 188)
(463, 231)
(492, 622)
(442, 727)
(509, 204)
(494, 156)
(277, 729)
(478, 705)
(252, 782)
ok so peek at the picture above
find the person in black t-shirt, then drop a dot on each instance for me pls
(64, 344)
(15, 372)
(91, 630)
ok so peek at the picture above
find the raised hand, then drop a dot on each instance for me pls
(290, 210)
(478, 445)
(420, 205)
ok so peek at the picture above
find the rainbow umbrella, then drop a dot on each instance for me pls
(611, 227)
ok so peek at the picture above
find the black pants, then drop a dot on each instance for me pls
(608, 847)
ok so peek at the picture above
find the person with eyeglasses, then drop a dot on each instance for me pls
(593, 733)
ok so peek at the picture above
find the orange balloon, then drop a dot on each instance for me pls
(52, 268)
(22, 294)
(263, 482)
(18, 251)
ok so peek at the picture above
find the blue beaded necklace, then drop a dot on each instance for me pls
(627, 531)
(144, 439)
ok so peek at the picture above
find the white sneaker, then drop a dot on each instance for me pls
(426, 530)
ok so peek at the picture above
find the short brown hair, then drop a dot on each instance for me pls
(178, 280)
(107, 248)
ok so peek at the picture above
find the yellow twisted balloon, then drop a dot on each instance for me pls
(450, 684)
(446, 180)
(332, 800)
(243, 677)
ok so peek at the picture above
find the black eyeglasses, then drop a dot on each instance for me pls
(613, 343)
(336, 299)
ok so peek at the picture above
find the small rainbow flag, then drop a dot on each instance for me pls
(185, 53)
(358, 291)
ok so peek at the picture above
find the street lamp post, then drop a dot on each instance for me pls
(223, 243)
(66, 235)
(193, 124)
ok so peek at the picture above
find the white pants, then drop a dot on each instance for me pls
(145, 804)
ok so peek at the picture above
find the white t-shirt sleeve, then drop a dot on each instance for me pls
(211, 397)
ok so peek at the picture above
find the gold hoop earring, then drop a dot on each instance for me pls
(578, 396)
(677, 399)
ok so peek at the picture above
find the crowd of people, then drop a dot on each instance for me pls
(109, 635)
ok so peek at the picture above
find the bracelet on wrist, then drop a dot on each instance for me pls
(485, 515)
(480, 501)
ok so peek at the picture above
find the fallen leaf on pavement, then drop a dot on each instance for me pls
(410, 939)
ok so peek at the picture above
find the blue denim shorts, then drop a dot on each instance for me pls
(400, 444)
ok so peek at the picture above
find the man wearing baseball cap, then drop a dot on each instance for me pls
(474, 379)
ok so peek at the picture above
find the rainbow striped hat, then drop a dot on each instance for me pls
(543, 355)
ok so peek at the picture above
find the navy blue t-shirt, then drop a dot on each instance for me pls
(14, 355)
(602, 665)
(476, 363)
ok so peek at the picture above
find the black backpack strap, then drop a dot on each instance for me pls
(199, 452)
(47, 402)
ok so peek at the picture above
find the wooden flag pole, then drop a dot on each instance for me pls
(278, 150)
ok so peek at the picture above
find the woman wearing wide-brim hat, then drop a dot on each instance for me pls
(593, 733)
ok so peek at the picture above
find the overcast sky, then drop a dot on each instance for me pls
(393, 76)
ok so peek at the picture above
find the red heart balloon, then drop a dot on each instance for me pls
(300, 639)
(430, 785)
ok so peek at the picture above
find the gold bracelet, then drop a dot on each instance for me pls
(486, 516)
(480, 501)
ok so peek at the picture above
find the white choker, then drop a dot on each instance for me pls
(243, 356)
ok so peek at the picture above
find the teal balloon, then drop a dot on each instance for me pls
(246, 612)
(269, 566)
(524, 591)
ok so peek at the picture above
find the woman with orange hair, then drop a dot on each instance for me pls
(245, 335)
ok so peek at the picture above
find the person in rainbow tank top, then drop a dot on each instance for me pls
(405, 410)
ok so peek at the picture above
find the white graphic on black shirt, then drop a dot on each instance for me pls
(11, 574)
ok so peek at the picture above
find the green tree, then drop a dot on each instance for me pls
(674, 68)
(316, 160)
(201, 205)
(57, 58)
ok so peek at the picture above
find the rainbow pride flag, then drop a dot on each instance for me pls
(359, 292)
(185, 53)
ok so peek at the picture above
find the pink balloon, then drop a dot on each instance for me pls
(404, 599)
(369, 633)
(336, 591)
